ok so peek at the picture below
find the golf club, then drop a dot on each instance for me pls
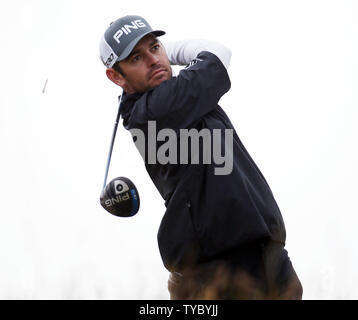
(120, 197)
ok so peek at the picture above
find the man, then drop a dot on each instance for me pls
(222, 235)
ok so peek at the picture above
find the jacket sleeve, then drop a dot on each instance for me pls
(181, 101)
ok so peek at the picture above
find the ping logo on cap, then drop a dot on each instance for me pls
(126, 29)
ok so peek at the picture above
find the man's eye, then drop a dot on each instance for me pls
(156, 47)
(136, 58)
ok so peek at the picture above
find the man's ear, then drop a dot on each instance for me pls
(115, 77)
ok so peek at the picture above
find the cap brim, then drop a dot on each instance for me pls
(134, 42)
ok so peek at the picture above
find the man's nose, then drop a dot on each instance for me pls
(152, 59)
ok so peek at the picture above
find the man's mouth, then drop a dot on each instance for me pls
(157, 72)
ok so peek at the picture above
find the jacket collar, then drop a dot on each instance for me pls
(127, 102)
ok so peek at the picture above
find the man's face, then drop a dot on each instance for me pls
(146, 67)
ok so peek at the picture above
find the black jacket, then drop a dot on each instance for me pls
(206, 214)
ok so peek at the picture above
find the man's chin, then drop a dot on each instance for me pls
(157, 80)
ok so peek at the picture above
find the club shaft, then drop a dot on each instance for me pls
(112, 144)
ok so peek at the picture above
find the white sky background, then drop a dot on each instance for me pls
(293, 102)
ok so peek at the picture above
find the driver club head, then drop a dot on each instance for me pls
(120, 197)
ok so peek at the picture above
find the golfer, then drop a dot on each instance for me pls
(222, 235)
